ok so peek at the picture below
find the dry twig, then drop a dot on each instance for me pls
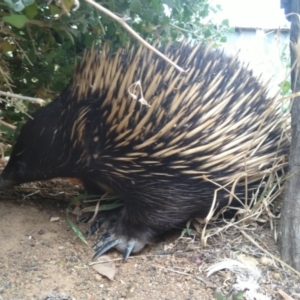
(122, 22)
(268, 253)
(30, 99)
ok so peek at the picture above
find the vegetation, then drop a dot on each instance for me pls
(39, 41)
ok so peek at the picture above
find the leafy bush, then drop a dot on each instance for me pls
(39, 41)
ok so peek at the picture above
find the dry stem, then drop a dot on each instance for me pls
(268, 253)
(122, 22)
(30, 99)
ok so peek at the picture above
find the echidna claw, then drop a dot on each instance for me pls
(104, 248)
(128, 249)
(108, 241)
(103, 240)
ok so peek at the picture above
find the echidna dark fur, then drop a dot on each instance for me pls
(162, 140)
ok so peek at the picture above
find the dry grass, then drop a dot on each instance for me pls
(260, 208)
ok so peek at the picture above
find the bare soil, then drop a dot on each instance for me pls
(43, 260)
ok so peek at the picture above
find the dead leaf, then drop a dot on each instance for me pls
(77, 211)
(266, 261)
(246, 259)
(105, 267)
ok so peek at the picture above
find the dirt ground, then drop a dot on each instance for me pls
(43, 260)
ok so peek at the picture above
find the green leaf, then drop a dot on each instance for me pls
(31, 11)
(7, 47)
(18, 5)
(170, 3)
(93, 198)
(223, 39)
(28, 2)
(54, 10)
(16, 20)
(123, 38)
(149, 28)
(239, 295)
(220, 296)
(76, 230)
(155, 5)
(103, 207)
(147, 16)
(68, 4)
(165, 20)
(285, 87)
(135, 6)
(225, 22)
(207, 33)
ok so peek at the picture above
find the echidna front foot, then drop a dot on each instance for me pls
(104, 220)
(109, 240)
(115, 236)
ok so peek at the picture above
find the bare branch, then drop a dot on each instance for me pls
(30, 99)
(122, 22)
(5, 76)
(8, 125)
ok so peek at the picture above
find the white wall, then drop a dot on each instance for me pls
(251, 13)
(263, 50)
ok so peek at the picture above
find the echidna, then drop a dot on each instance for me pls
(162, 140)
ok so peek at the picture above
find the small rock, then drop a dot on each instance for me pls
(246, 259)
(98, 277)
(276, 276)
(266, 261)
(57, 297)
